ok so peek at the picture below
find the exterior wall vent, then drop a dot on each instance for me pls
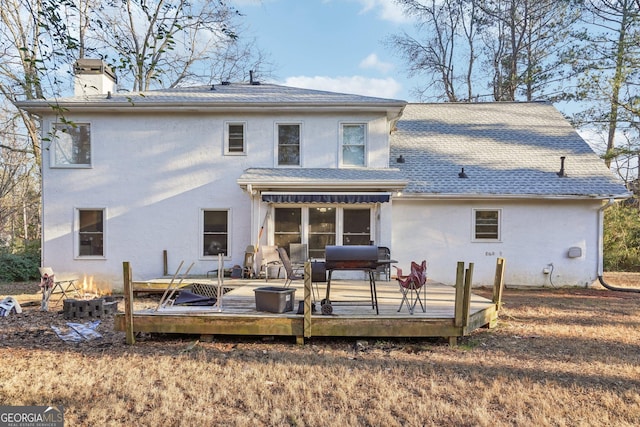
(574, 252)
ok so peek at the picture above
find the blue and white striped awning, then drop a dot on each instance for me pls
(322, 197)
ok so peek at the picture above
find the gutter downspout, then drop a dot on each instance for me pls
(601, 252)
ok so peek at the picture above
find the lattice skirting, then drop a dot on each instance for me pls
(208, 290)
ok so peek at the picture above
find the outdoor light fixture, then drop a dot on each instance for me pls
(462, 174)
(400, 159)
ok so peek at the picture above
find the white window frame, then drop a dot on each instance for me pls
(56, 129)
(201, 254)
(364, 147)
(76, 233)
(341, 221)
(277, 144)
(474, 225)
(227, 135)
(339, 212)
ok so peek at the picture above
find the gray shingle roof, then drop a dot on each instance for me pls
(506, 149)
(235, 94)
(314, 178)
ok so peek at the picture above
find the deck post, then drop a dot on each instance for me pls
(458, 309)
(307, 302)
(165, 263)
(128, 303)
(466, 301)
(498, 283)
(457, 304)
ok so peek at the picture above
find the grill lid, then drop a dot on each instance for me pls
(351, 257)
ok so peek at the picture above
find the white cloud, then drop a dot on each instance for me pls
(372, 61)
(387, 10)
(358, 85)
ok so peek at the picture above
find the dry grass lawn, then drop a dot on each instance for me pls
(558, 357)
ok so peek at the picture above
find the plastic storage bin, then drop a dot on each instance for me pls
(274, 299)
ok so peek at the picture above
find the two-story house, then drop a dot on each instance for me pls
(212, 169)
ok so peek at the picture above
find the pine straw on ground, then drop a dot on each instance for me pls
(561, 357)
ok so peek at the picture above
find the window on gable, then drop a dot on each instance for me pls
(90, 232)
(353, 144)
(71, 145)
(486, 224)
(215, 232)
(235, 138)
(289, 144)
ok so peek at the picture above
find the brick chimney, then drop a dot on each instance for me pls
(93, 77)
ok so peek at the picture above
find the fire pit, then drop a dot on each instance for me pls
(90, 308)
(93, 301)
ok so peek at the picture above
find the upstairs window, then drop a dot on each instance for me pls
(71, 145)
(235, 138)
(486, 224)
(289, 145)
(91, 232)
(353, 144)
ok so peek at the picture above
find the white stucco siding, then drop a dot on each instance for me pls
(154, 173)
(534, 235)
(153, 177)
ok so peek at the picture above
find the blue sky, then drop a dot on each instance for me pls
(335, 45)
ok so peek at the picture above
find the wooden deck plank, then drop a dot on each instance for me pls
(238, 315)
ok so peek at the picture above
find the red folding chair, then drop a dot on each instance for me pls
(412, 285)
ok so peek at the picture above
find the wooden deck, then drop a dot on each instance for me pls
(451, 312)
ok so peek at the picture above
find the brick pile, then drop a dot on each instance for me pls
(89, 309)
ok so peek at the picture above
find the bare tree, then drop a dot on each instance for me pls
(167, 43)
(19, 188)
(518, 40)
(445, 25)
(522, 44)
(608, 60)
(149, 41)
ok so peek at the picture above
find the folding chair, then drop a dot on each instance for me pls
(299, 254)
(49, 285)
(291, 273)
(411, 286)
(384, 253)
(270, 258)
(249, 259)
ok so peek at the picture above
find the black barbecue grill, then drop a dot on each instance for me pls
(354, 257)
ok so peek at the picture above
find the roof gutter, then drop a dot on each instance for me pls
(43, 107)
(324, 185)
(488, 196)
